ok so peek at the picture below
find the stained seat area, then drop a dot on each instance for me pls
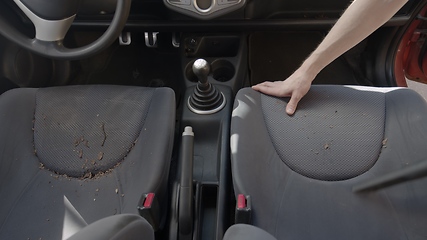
(71, 156)
(300, 170)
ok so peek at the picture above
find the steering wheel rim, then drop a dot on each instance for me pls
(56, 49)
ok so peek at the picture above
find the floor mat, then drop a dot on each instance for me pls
(135, 64)
(276, 55)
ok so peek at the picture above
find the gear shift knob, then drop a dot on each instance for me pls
(201, 69)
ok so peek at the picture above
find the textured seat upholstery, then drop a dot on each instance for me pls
(117, 227)
(246, 232)
(300, 170)
(70, 156)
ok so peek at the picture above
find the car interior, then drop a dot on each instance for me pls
(135, 119)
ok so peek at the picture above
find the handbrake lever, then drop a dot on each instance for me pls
(185, 209)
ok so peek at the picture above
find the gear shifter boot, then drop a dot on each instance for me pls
(206, 99)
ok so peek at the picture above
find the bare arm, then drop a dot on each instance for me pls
(360, 19)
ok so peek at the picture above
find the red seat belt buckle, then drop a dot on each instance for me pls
(148, 208)
(149, 198)
(241, 201)
(243, 213)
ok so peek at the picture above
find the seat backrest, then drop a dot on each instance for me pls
(299, 170)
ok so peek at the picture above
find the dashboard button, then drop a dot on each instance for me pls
(180, 2)
(228, 2)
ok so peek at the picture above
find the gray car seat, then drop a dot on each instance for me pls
(301, 171)
(246, 232)
(72, 157)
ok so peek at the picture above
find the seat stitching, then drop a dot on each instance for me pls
(27, 186)
(281, 201)
(385, 190)
(395, 213)
(278, 156)
(142, 127)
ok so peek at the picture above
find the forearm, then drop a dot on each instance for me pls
(360, 19)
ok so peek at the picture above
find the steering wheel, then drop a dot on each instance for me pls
(52, 19)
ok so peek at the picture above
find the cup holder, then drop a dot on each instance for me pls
(222, 70)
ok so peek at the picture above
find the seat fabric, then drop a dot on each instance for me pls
(70, 156)
(246, 232)
(117, 227)
(299, 170)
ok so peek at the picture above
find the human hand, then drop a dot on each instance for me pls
(296, 86)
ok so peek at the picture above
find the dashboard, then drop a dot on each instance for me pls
(244, 9)
(225, 15)
(97, 11)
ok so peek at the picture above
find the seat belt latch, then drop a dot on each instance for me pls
(148, 208)
(243, 212)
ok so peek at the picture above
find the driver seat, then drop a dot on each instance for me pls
(79, 160)
(308, 176)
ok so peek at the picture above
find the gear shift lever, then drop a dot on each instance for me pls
(201, 69)
(206, 99)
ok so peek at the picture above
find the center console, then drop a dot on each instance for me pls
(204, 9)
(214, 67)
(227, 55)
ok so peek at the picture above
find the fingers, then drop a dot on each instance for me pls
(270, 88)
(263, 86)
(292, 104)
(284, 89)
